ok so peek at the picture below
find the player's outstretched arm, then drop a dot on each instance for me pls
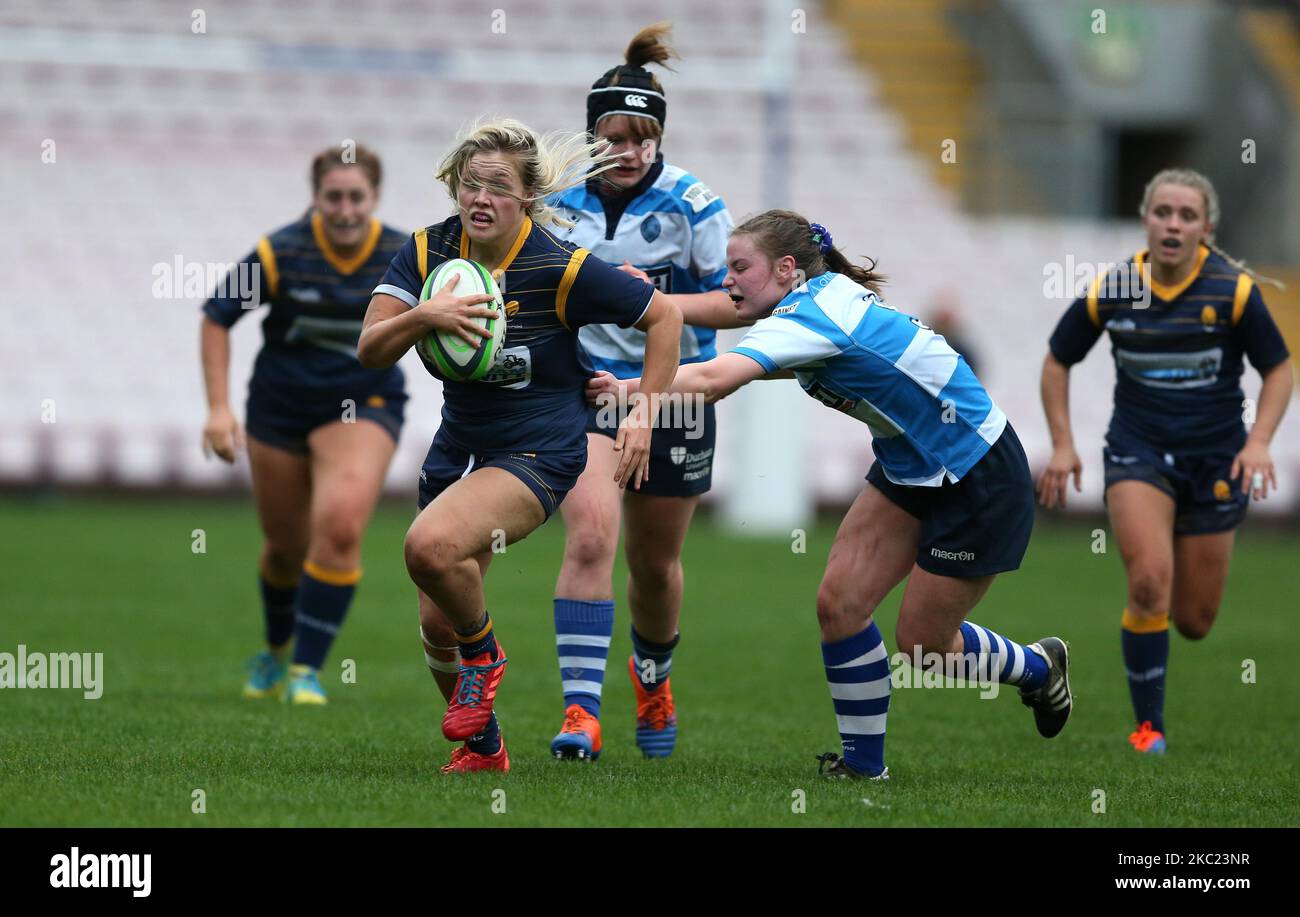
(714, 379)
(719, 377)
(713, 309)
(1253, 462)
(1055, 390)
(391, 328)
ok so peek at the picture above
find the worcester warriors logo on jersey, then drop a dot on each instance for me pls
(650, 228)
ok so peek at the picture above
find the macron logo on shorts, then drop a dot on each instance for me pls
(952, 555)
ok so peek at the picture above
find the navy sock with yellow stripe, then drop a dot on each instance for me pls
(1145, 642)
(478, 640)
(323, 599)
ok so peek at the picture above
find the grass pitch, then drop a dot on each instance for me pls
(120, 577)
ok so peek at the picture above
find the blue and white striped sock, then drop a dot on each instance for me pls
(582, 633)
(653, 661)
(1014, 664)
(857, 669)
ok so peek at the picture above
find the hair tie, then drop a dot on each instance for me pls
(822, 236)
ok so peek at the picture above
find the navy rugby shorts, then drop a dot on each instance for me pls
(549, 475)
(979, 525)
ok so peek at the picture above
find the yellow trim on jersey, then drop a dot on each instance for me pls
(1168, 293)
(422, 252)
(520, 239)
(1136, 625)
(266, 255)
(343, 265)
(1244, 284)
(566, 283)
(524, 229)
(332, 577)
(1093, 290)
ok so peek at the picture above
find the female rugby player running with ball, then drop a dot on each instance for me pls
(664, 226)
(948, 503)
(321, 427)
(1180, 467)
(511, 445)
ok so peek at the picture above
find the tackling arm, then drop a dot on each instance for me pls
(713, 309)
(714, 379)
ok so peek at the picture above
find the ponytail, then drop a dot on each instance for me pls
(650, 46)
(862, 276)
(1241, 266)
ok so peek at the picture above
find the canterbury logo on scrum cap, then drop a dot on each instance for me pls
(634, 100)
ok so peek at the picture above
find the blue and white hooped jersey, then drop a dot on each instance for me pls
(676, 231)
(931, 420)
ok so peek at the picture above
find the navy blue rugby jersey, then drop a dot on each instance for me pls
(532, 400)
(318, 300)
(1178, 362)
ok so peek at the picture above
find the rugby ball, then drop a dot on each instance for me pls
(449, 353)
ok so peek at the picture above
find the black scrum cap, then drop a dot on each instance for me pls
(633, 95)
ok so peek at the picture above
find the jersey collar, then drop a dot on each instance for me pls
(1170, 293)
(615, 205)
(524, 229)
(343, 265)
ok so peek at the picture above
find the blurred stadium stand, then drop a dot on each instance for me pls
(170, 143)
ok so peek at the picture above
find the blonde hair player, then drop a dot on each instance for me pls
(948, 504)
(512, 444)
(663, 225)
(1180, 466)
